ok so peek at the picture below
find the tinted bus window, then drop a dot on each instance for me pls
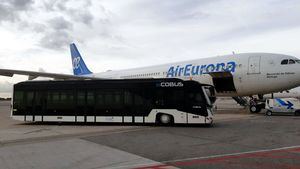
(29, 97)
(81, 98)
(55, 97)
(18, 95)
(128, 98)
(99, 98)
(109, 100)
(18, 99)
(63, 97)
(90, 98)
(138, 100)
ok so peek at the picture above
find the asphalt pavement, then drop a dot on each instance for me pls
(236, 140)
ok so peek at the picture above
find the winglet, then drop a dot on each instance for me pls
(79, 67)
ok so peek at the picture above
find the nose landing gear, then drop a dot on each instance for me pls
(256, 105)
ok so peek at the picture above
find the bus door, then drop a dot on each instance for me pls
(195, 103)
(39, 105)
(29, 107)
(90, 105)
(80, 105)
(85, 105)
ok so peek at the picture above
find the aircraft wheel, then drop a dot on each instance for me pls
(253, 109)
(269, 113)
(258, 109)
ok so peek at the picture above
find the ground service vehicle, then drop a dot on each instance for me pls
(283, 106)
(124, 101)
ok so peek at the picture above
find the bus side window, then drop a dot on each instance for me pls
(138, 100)
(70, 98)
(109, 99)
(159, 100)
(198, 98)
(29, 98)
(90, 99)
(128, 99)
(99, 98)
(55, 97)
(81, 98)
(66, 99)
(18, 99)
(117, 99)
(194, 98)
(63, 97)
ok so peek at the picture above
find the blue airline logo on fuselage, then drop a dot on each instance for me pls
(192, 70)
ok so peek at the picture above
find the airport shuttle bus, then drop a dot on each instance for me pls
(164, 101)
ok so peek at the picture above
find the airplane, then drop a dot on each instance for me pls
(244, 74)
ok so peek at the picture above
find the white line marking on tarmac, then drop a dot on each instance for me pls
(206, 157)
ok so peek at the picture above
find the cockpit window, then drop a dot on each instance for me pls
(291, 61)
(298, 61)
(284, 62)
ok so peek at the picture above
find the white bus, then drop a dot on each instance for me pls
(162, 101)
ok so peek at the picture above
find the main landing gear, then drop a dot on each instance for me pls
(257, 104)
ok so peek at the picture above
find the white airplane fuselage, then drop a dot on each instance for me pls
(251, 73)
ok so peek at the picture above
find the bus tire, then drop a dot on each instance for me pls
(164, 119)
(269, 113)
(297, 113)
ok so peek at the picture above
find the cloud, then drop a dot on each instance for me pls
(60, 23)
(150, 31)
(10, 10)
(77, 11)
(21, 4)
(81, 16)
(52, 28)
(56, 39)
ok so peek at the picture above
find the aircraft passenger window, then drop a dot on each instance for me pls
(284, 62)
(291, 61)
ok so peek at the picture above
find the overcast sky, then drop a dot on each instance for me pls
(118, 34)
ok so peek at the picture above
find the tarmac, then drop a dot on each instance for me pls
(237, 139)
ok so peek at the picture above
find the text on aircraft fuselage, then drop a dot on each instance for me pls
(192, 70)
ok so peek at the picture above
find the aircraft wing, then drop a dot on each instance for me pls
(32, 74)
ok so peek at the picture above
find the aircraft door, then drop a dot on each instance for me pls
(254, 65)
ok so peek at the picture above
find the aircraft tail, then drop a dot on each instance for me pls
(79, 67)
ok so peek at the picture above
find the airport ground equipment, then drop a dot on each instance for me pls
(123, 101)
(257, 103)
(241, 100)
(282, 106)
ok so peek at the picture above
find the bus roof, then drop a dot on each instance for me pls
(108, 81)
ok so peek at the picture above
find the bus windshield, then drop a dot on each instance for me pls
(209, 93)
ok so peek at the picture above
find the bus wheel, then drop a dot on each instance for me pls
(269, 113)
(164, 119)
